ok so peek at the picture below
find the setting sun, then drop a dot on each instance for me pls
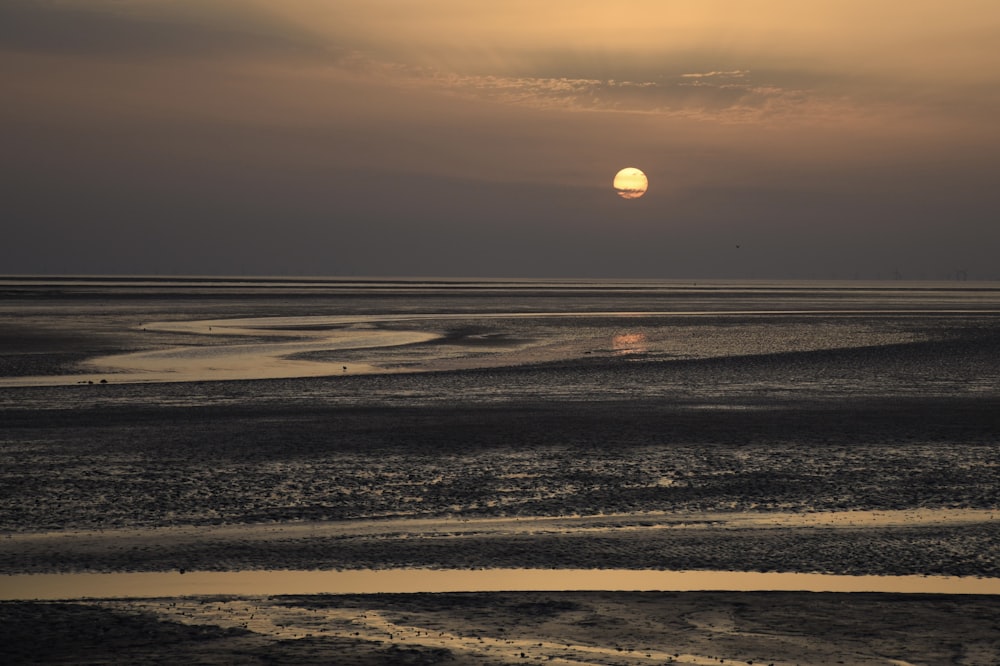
(630, 183)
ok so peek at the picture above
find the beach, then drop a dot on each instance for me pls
(225, 426)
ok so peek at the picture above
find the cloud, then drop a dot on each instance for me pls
(733, 96)
(830, 64)
(732, 74)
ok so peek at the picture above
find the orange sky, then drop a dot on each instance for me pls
(447, 137)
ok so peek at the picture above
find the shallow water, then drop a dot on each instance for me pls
(195, 329)
(254, 583)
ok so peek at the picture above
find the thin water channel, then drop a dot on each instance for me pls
(275, 582)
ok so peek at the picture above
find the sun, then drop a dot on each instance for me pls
(630, 183)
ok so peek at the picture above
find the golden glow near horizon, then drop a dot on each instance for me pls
(630, 183)
(817, 83)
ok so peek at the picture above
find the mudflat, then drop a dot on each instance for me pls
(780, 628)
(834, 430)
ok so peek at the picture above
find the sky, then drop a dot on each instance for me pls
(456, 138)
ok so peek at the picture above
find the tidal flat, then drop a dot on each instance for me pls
(784, 427)
(606, 628)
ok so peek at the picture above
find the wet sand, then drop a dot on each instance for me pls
(126, 487)
(779, 628)
(862, 443)
(886, 543)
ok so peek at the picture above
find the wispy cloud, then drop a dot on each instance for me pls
(497, 55)
(731, 74)
(731, 96)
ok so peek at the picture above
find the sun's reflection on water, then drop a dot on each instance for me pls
(625, 344)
